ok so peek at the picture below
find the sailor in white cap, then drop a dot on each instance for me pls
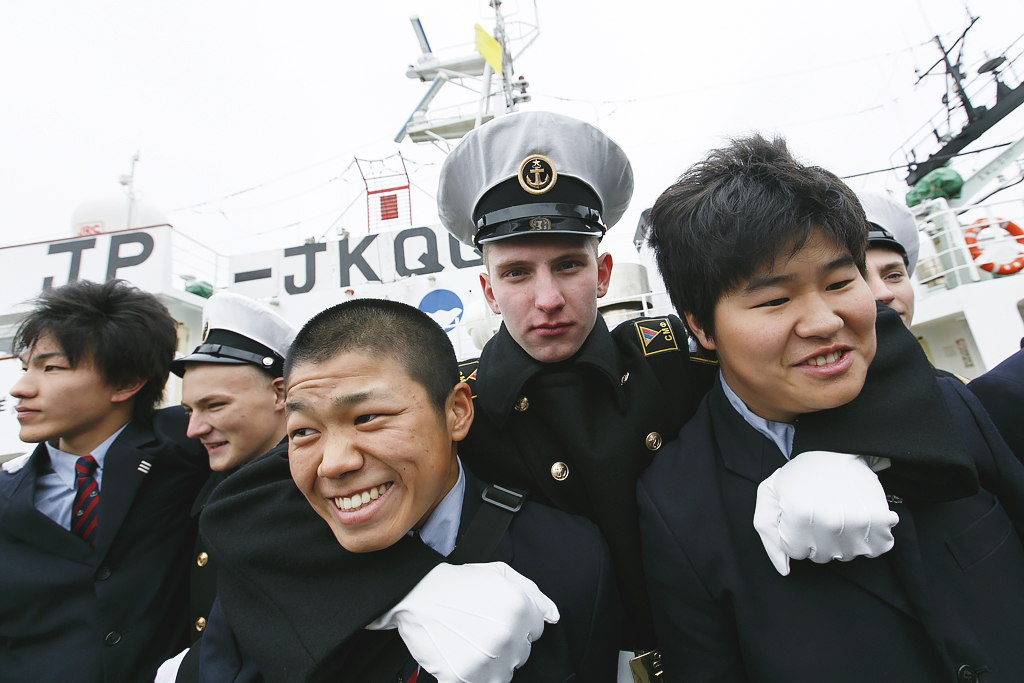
(233, 391)
(893, 246)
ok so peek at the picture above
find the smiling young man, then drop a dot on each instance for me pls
(94, 524)
(565, 408)
(232, 389)
(767, 264)
(376, 409)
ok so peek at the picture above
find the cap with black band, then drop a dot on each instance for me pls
(240, 331)
(533, 173)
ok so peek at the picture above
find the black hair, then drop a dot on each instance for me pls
(385, 328)
(737, 211)
(126, 333)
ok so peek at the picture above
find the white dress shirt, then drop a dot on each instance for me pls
(55, 490)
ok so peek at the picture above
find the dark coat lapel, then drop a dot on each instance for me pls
(749, 454)
(125, 467)
(21, 520)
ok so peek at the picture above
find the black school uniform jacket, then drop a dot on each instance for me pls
(593, 413)
(564, 555)
(949, 595)
(113, 613)
(1001, 391)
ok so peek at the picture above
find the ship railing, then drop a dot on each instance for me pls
(193, 263)
(946, 259)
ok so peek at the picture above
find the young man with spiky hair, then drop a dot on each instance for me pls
(765, 257)
(94, 524)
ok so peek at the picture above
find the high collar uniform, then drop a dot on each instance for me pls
(111, 613)
(596, 421)
(942, 605)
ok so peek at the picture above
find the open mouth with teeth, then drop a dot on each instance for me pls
(358, 500)
(826, 359)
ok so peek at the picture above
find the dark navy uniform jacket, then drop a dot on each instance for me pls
(1001, 391)
(113, 613)
(945, 604)
(601, 414)
(540, 543)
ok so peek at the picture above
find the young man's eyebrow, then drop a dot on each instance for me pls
(769, 280)
(515, 263)
(349, 400)
(765, 281)
(836, 264)
(297, 406)
(42, 356)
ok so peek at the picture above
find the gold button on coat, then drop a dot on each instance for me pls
(522, 404)
(624, 378)
(202, 559)
(559, 471)
(200, 623)
(653, 441)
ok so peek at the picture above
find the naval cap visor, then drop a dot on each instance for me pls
(880, 238)
(224, 347)
(506, 211)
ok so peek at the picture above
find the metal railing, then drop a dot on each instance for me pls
(968, 244)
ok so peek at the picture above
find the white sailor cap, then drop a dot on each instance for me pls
(891, 226)
(238, 330)
(533, 171)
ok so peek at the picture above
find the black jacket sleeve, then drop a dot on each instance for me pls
(1001, 391)
(274, 549)
(900, 414)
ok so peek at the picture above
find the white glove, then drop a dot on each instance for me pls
(471, 623)
(824, 506)
(168, 671)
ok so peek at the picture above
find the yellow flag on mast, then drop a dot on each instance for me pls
(489, 48)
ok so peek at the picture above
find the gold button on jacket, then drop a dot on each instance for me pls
(522, 404)
(200, 623)
(559, 471)
(653, 441)
(202, 559)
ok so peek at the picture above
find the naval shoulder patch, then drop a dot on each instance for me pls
(656, 336)
(468, 374)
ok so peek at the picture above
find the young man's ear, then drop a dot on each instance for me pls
(704, 340)
(604, 274)
(126, 392)
(485, 285)
(458, 411)
(277, 386)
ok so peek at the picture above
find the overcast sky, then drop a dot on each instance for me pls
(221, 97)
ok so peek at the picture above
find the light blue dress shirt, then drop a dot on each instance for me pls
(442, 527)
(55, 490)
(781, 433)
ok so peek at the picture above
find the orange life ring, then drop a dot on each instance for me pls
(971, 238)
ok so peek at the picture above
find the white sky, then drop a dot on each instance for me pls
(219, 97)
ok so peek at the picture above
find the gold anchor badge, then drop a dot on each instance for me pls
(537, 174)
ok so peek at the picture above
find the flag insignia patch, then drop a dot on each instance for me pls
(656, 336)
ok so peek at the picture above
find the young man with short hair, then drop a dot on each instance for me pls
(376, 409)
(232, 389)
(94, 525)
(765, 258)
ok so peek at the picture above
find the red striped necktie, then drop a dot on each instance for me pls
(85, 509)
